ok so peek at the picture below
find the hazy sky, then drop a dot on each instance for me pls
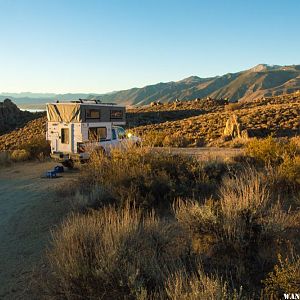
(100, 46)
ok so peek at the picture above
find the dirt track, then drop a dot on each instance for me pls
(29, 208)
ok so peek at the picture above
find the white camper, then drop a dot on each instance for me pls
(76, 129)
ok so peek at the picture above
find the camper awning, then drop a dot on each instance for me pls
(60, 112)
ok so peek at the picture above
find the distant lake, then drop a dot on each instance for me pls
(33, 110)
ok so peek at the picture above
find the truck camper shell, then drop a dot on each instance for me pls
(74, 112)
(76, 126)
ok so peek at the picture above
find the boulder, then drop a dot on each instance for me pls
(234, 128)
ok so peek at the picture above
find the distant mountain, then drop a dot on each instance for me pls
(261, 80)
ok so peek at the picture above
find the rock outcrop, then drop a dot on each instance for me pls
(234, 129)
(12, 117)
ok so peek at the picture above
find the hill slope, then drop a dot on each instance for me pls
(198, 122)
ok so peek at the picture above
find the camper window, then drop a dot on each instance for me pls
(97, 134)
(116, 114)
(65, 135)
(121, 133)
(92, 114)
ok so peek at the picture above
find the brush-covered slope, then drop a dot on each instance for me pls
(278, 115)
(198, 122)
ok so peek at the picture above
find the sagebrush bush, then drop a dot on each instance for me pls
(270, 150)
(151, 179)
(112, 254)
(19, 155)
(236, 232)
(285, 278)
(289, 170)
(37, 147)
(183, 286)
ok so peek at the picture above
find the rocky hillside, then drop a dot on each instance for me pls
(267, 115)
(11, 116)
(14, 139)
(194, 123)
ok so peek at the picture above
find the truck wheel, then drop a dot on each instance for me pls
(68, 164)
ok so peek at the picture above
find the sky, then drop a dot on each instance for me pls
(90, 46)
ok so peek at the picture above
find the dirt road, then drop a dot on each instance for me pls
(204, 153)
(29, 208)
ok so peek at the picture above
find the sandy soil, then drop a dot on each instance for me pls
(29, 208)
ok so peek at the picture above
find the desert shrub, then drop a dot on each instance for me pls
(153, 138)
(234, 234)
(196, 217)
(151, 179)
(175, 140)
(284, 279)
(289, 170)
(93, 198)
(244, 198)
(112, 254)
(181, 286)
(37, 147)
(19, 155)
(233, 106)
(270, 150)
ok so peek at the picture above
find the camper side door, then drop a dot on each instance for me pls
(65, 138)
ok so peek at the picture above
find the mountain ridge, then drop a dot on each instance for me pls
(258, 81)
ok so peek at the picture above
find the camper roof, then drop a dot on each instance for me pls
(85, 102)
(76, 111)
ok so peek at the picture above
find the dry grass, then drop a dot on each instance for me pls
(285, 278)
(182, 286)
(150, 179)
(115, 255)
